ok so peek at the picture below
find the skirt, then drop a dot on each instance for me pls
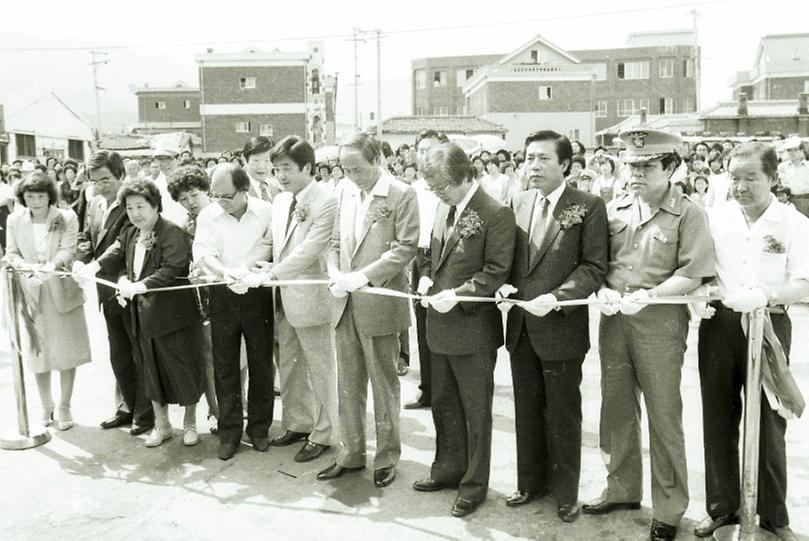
(63, 338)
(174, 365)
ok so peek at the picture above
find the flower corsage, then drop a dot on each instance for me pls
(469, 224)
(571, 215)
(773, 245)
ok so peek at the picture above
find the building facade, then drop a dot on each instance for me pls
(780, 69)
(437, 83)
(762, 118)
(168, 109)
(400, 130)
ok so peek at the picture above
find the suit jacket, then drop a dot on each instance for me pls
(96, 239)
(475, 265)
(60, 249)
(165, 263)
(572, 264)
(386, 245)
(300, 252)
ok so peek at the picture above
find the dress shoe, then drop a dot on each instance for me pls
(401, 367)
(63, 418)
(310, 451)
(137, 430)
(431, 485)
(289, 438)
(335, 470)
(568, 512)
(602, 506)
(384, 476)
(416, 404)
(227, 450)
(158, 436)
(521, 497)
(463, 507)
(119, 419)
(709, 525)
(190, 436)
(262, 445)
(213, 424)
(662, 532)
(784, 533)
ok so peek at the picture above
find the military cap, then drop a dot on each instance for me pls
(643, 145)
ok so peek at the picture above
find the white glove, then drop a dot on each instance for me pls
(541, 305)
(503, 292)
(630, 304)
(47, 267)
(351, 281)
(609, 301)
(129, 289)
(746, 300)
(235, 274)
(425, 283)
(261, 266)
(238, 288)
(337, 291)
(254, 279)
(444, 302)
(702, 309)
(84, 274)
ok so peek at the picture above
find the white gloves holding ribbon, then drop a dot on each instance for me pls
(503, 292)
(346, 282)
(84, 274)
(128, 290)
(746, 300)
(441, 302)
(425, 283)
(611, 302)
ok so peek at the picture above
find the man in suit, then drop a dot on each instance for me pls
(375, 237)
(561, 254)
(105, 220)
(303, 218)
(257, 163)
(471, 251)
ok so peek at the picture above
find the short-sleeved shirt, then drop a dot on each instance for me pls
(795, 177)
(648, 245)
(235, 242)
(770, 252)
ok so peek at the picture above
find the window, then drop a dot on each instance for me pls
(440, 78)
(535, 56)
(666, 106)
(421, 79)
(247, 82)
(242, 127)
(463, 75)
(688, 67)
(688, 104)
(633, 70)
(626, 107)
(601, 109)
(573, 135)
(665, 68)
(442, 111)
(265, 130)
(75, 149)
(643, 103)
(186, 104)
(160, 105)
(806, 85)
(545, 93)
(460, 110)
(26, 145)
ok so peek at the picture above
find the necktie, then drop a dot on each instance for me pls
(538, 230)
(265, 191)
(291, 212)
(449, 224)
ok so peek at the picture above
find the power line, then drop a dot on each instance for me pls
(351, 35)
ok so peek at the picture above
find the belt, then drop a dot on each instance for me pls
(777, 309)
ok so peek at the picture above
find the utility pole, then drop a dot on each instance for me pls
(97, 59)
(697, 60)
(378, 83)
(356, 39)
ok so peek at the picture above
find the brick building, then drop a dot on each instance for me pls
(574, 92)
(437, 83)
(780, 69)
(745, 117)
(168, 109)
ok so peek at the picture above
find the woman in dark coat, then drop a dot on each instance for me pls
(156, 253)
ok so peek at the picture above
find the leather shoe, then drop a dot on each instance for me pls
(521, 497)
(463, 507)
(289, 437)
(602, 506)
(119, 419)
(709, 525)
(784, 533)
(227, 450)
(137, 430)
(335, 470)
(310, 451)
(260, 444)
(431, 485)
(417, 404)
(568, 512)
(384, 476)
(662, 532)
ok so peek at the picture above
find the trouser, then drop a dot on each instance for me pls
(462, 413)
(643, 353)
(425, 374)
(359, 358)
(722, 372)
(235, 316)
(547, 404)
(127, 366)
(308, 372)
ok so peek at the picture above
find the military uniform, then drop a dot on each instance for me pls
(643, 352)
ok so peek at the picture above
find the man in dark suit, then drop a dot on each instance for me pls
(470, 254)
(561, 254)
(104, 221)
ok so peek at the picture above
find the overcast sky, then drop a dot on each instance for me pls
(729, 32)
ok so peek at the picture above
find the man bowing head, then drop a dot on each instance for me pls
(470, 255)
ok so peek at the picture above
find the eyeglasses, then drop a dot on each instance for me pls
(438, 191)
(230, 197)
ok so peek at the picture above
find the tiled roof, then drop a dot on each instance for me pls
(443, 124)
(123, 142)
(755, 108)
(682, 122)
(786, 47)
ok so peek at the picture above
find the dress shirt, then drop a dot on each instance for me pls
(428, 206)
(718, 189)
(235, 242)
(380, 188)
(107, 210)
(795, 177)
(553, 199)
(460, 207)
(743, 259)
(172, 210)
(138, 258)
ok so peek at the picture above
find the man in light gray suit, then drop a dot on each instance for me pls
(375, 237)
(302, 222)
